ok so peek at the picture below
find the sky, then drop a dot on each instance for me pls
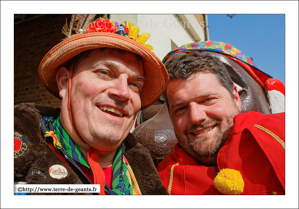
(259, 36)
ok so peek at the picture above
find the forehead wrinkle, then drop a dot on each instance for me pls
(112, 65)
(106, 63)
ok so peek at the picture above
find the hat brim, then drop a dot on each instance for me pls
(156, 76)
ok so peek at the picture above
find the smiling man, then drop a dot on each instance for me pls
(214, 137)
(103, 80)
(202, 116)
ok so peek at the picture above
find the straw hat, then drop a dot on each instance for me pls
(156, 76)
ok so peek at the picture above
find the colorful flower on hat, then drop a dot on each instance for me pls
(229, 181)
(132, 32)
(126, 29)
(102, 25)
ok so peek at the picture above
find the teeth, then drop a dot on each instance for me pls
(204, 130)
(110, 109)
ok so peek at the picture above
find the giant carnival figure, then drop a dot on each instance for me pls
(258, 92)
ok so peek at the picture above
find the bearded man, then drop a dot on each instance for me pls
(220, 150)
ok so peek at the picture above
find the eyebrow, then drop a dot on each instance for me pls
(111, 65)
(107, 63)
(176, 104)
(179, 103)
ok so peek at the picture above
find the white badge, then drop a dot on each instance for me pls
(57, 171)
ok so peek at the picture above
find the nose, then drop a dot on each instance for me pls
(121, 89)
(197, 113)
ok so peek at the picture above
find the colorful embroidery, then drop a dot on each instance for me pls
(56, 142)
(20, 145)
(216, 46)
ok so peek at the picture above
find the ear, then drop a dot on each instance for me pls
(62, 78)
(237, 98)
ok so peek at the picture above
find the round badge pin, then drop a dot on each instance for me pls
(58, 171)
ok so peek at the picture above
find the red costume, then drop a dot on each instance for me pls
(255, 147)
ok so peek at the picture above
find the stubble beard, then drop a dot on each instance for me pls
(208, 155)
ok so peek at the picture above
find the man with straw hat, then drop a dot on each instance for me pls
(104, 74)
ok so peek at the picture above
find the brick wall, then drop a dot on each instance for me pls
(32, 40)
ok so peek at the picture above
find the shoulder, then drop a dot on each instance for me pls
(169, 160)
(32, 109)
(26, 128)
(142, 163)
(27, 134)
(25, 112)
(258, 130)
(246, 120)
(26, 121)
(258, 115)
(27, 117)
(136, 152)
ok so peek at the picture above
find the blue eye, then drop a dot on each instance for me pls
(135, 87)
(104, 74)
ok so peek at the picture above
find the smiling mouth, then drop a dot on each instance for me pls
(111, 110)
(202, 130)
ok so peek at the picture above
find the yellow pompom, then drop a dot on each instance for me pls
(229, 181)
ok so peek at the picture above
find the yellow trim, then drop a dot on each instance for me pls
(271, 134)
(171, 178)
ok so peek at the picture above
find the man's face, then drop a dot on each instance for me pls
(202, 112)
(105, 98)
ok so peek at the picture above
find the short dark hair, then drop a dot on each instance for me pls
(183, 65)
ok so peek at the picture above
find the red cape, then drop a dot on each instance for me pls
(255, 148)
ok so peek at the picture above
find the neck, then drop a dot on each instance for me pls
(106, 159)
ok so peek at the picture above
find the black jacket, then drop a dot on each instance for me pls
(34, 157)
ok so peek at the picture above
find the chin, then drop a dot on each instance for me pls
(206, 156)
(208, 160)
(106, 144)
